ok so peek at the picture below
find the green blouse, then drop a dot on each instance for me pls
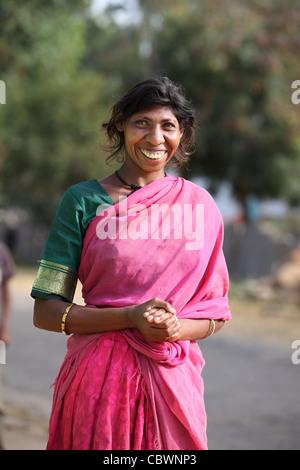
(57, 273)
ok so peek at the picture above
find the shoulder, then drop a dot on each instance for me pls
(83, 189)
(80, 202)
(197, 192)
(84, 194)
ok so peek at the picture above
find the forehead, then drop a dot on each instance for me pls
(156, 114)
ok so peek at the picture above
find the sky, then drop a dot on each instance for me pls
(128, 15)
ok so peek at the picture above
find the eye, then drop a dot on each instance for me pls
(169, 125)
(141, 123)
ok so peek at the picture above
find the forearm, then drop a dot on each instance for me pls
(193, 330)
(82, 320)
(86, 320)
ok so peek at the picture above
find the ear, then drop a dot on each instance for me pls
(120, 124)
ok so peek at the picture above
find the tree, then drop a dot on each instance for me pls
(237, 60)
(50, 124)
(63, 68)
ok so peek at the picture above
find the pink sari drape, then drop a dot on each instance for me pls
(144, 247)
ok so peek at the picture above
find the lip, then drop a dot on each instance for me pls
(153, 155)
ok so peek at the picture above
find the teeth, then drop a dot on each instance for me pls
(153, 155)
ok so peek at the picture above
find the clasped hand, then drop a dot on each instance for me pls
(157, 321)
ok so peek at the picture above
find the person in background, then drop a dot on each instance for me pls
(7, 271)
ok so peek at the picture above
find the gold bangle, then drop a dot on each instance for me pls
(213, 329)
(64, 318)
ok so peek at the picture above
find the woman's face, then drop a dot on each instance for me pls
(152, 137)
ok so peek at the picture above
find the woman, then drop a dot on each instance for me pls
(131, 378)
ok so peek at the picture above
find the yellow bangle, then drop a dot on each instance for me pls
(64, 318)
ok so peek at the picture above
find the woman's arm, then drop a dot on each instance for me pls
(48, 316)
(189, 329)
(85, 320)
(196, 329)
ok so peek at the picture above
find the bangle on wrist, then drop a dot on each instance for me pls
(211, 329)
(64, 318)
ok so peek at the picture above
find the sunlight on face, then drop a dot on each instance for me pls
(152, 137)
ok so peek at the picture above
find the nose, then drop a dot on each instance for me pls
(155, 136)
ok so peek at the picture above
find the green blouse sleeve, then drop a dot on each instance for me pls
(57, 273)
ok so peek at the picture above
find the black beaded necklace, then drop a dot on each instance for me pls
(134, 187)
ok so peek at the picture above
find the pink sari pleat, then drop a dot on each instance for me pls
(105, 406)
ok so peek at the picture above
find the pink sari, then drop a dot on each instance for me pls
(116, 391)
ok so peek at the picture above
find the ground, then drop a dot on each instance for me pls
(270, 320)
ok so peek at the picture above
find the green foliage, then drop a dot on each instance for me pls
(238, 70)
(50, 124)
(63, 69)
(237, 60)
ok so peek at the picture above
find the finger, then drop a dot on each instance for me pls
(156, 314)
(175, 334)
(148, 312)
(162, 316)
(158, 333)
(167, 324)
(163, 304)
(174, 337)
(167, 335)
(151, 313)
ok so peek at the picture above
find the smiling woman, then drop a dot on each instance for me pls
(155, 93)
(151, 139)
(152, 125)
(131, 378)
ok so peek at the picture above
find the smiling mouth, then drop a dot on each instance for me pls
(153, 155)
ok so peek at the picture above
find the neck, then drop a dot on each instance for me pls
(138, 176)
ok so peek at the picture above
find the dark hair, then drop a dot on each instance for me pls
(147, 94)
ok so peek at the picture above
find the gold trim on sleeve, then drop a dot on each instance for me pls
(54, 278)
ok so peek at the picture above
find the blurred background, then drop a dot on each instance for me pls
(64, 63)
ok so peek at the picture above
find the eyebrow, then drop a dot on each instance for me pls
(147, 118)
